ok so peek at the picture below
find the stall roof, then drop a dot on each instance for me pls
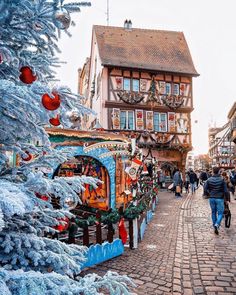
(95, 134)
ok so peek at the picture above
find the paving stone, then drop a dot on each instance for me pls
(198, 290)
(223, 284)
(187, 291)
(177, 288)
(214, 288)
(160, 282)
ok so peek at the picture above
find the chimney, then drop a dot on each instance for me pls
(128, 25)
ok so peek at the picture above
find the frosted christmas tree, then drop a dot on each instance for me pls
(31, 263)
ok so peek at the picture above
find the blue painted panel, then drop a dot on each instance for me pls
(143, 228)
(149, 216)
(100, 253)
(108, 162)
(153, 206)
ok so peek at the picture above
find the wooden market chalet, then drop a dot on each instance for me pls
(139, 82)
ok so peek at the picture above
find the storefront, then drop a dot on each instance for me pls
(97, 154)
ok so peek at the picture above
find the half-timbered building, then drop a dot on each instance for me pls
(221, 149)
(141, 84)
(232, 135)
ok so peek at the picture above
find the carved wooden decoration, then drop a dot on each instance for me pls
(173, 101)
(130, 97)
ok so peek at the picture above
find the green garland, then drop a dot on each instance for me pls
(133, 211)
(110, 217)
(82, 223)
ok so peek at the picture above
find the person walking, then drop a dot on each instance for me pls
(186, 183)
(215, 187)
(192, 180)
(177, 180)
(197, 178)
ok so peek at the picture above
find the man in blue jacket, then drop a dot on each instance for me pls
(215, 187)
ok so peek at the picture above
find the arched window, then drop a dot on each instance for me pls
(88, 166)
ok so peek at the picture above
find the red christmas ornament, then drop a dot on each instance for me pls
(27, 76)
(42, 197)
(55, 121)
(62, 227)
(49, 103)
(27, 158)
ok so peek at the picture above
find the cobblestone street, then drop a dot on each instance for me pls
(180, 253)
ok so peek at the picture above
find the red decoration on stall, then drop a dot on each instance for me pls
(49, 103)
(27, 76)
(27, 158)
(145, 171)
(122, 231)
(62, 227)
(55, 121)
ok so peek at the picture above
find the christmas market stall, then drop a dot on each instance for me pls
(118, 210)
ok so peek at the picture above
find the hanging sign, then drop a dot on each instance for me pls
(133, 169)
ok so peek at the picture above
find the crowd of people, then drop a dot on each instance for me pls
(218, 186)
(193, 179)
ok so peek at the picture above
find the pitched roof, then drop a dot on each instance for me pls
(144, 49)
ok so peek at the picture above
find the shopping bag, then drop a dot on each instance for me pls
(178, 189)
(227, 214)
(170, 187)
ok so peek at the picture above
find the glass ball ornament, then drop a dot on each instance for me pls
(55, 121)
(62, 19)
(49, 103)
(27, 75)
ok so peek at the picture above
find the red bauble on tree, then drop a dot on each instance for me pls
(27, 158)
(55, 121)
(49, 103)
(42, 197)
(27, 76)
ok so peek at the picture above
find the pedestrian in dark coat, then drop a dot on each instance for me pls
(216, 188)
(192, 180)
(177, 180)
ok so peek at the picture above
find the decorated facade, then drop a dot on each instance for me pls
(140, 85)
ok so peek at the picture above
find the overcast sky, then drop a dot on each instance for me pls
(209, 27)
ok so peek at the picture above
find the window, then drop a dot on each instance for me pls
(131, 84)
(176, 89)
(156, 121)
(136, 85)
(127, 120)
(168, 88)
(126, 84)
(160, 122)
